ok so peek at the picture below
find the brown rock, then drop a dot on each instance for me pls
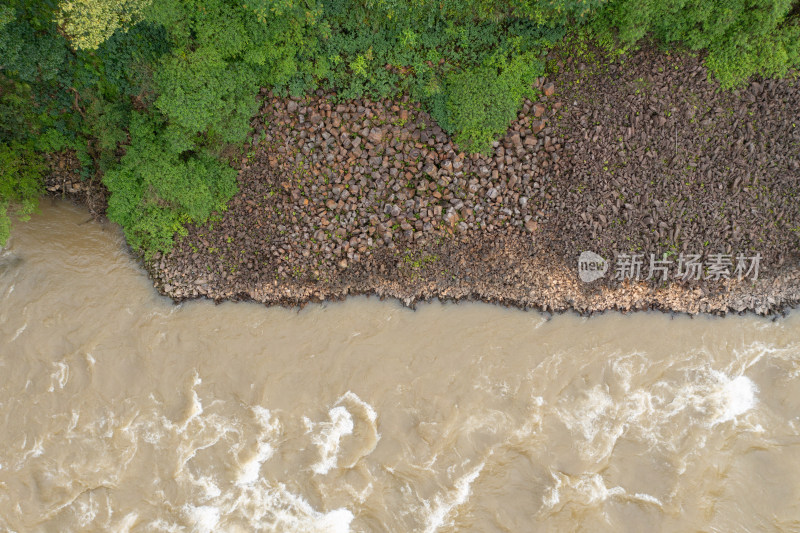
(430, 170)
(375, 135)
(549, 89)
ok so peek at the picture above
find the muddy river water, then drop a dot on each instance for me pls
(124, 412)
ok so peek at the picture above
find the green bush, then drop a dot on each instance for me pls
(470, 71)
(91, 22)
(201, 92)
(370, 53)
(743, 37)
(154, 190)
(21, 170)
(480, 103)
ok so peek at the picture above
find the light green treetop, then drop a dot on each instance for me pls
(88, 23)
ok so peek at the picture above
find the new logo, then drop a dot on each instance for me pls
(591, 267)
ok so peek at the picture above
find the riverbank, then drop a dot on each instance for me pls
(641, 157)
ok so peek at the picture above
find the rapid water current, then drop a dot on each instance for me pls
(124, 412)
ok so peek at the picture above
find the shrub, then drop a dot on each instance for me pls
(201, 92)
(480, 103)
(742, 37)
(90, 22)
(21, 170)
(154, 190)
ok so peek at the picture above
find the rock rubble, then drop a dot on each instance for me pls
(372, 197)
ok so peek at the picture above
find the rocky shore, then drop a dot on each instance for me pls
(635, 158)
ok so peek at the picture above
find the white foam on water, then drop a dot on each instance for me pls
(73, 423)
(551, 498)
(270, 427)
(598, 420)
(336, 521)
(659, 414)
(204, 518)
(218, 504)
(533, 421)
(196, 406)
(275, 508)
(360, 495)
(294, 513)
(162, 525)
(735, 396)
(126, 523)
(353, 397)
(589, 411)
(492, 421)
(19, 332)
(263, 415)
(439, 514)
(592, 489)
(86, 511)
(208, 485)
(262, 504)
(250, 469)
(36, 450)
(586, 489)
(150, 428)
(648, 498)
(329, 438)
(363, 413)
(61, 376)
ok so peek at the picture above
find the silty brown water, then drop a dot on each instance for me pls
(124, 412)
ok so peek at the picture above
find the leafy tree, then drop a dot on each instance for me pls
(205, 87)
(742, 37)
(21, 170)
(480, 103)
(155, 190)
(89, 23)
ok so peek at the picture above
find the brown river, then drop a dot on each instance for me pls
(124, 412)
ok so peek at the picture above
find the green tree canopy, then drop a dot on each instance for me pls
(89, 23)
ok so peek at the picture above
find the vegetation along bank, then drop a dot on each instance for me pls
(287, 152)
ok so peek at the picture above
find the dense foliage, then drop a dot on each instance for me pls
(20, 182)
(742, 37)
(88, 23)
(151, 94)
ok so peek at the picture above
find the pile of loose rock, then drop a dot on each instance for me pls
(373, 197)
(665, 162)
(64, 181)
(385, 172)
